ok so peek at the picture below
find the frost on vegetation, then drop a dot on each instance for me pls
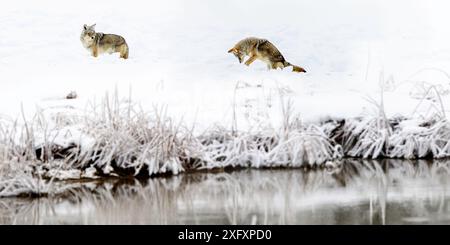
(395, 138)
(116, 139)
(293, 148)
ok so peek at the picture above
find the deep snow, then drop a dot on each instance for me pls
(178, 56)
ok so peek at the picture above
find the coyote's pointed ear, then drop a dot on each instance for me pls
(231, 50)
(93, 26)
(85, 27)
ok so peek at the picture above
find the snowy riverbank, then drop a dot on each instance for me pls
(377, 86)
(116, 139)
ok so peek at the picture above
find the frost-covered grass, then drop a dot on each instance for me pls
(16, 164)
(375, 138)
(117, 138)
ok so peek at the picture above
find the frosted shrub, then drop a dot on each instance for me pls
(292, 148)
(366, 138)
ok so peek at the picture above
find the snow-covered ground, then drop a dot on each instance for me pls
(178, 56)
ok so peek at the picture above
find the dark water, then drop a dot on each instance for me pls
(359, 192)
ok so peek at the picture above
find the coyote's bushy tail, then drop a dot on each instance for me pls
(294, 67)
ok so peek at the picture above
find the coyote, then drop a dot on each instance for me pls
(98, 43)
(263, 50)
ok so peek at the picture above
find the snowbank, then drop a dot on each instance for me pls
(178, 56)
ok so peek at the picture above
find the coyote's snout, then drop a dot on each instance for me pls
(98, 43)
(263, 50)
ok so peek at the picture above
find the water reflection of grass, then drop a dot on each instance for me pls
(394, 191)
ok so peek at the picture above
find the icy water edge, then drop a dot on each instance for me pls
(358, 192)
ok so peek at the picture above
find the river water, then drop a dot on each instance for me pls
(357, 192)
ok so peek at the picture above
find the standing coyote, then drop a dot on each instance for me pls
(264, 50)
(98, 43)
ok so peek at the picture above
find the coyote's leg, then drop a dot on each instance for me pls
(277, 65)
(95, 51)
(250, 60)
(124, 51)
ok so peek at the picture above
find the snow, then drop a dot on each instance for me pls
(178, 56)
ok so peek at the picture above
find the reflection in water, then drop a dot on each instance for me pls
(359, 192)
